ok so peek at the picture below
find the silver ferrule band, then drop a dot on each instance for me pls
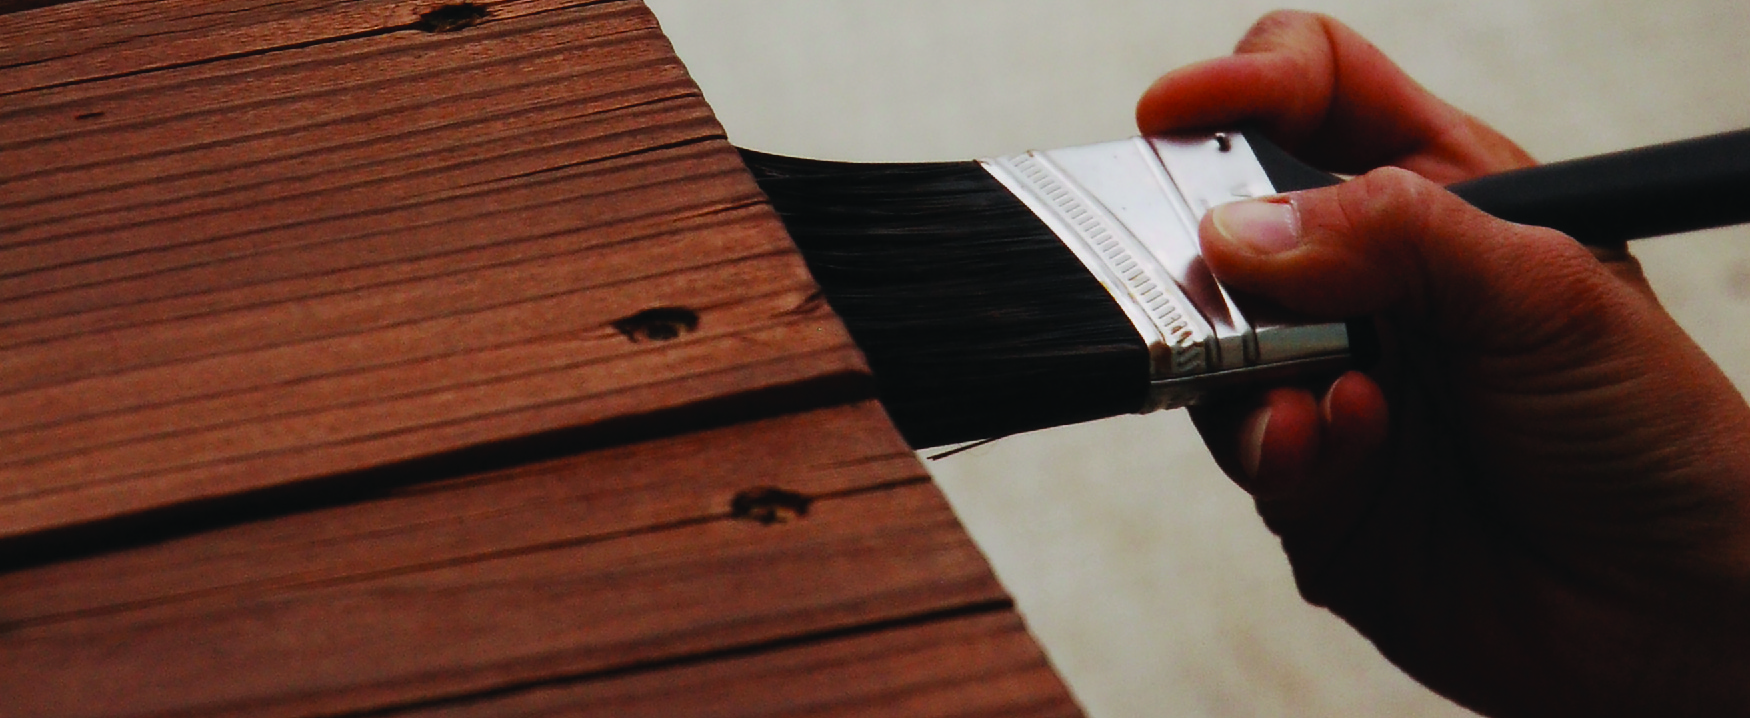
(1129, 210)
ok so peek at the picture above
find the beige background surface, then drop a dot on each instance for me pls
(1142, 570)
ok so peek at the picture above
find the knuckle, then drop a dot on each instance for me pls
(1271, 30)
(1386, 202)
(1393, 186)
(1286, 18)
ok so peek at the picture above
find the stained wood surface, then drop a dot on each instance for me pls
(346, 243)
(576, 567)
(949, 667)
(351, 367)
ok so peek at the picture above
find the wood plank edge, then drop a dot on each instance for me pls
(417, 24)
(158, 524)
(8, 7)
(727, 653)
(677, 523)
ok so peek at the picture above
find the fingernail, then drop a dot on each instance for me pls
(1262, 226)
(1325, 403)
(1252, 442)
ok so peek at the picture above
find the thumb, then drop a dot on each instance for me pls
(1393, 243)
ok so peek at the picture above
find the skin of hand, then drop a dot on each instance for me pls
(1538, 503)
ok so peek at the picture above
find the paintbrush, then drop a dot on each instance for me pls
(1047, 288)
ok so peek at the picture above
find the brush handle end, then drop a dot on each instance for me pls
(1605, 200)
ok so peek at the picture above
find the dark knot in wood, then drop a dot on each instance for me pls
(769, 505)
(658, 325)
(450, 18)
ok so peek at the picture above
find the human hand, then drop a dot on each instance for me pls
(1539, 502)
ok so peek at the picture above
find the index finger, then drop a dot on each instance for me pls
(1331, 97)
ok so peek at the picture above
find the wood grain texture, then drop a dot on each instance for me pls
(96, 39)
(598, 496)
(348, 368)
(581, 566)
(964, 667)
(251, 244)
(11, 6)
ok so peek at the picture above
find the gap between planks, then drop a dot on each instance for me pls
(970, 663)
(215, 336)
(643, 486)
(876, 601)
(98, 40)
(556, 578)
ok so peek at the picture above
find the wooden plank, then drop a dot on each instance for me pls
(966, 667)
(571, 500)
(12, 6)
(268, 269)
(584, 565)
(212, 106)
(307, 240)
(99, 39)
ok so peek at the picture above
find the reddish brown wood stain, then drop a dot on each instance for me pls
(252, 246)
(292, 264)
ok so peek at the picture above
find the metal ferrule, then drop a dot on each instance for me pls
(1129, 210)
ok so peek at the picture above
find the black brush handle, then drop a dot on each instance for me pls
(1604, 200)
(1610, 199)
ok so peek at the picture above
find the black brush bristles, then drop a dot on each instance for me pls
(977, 321)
